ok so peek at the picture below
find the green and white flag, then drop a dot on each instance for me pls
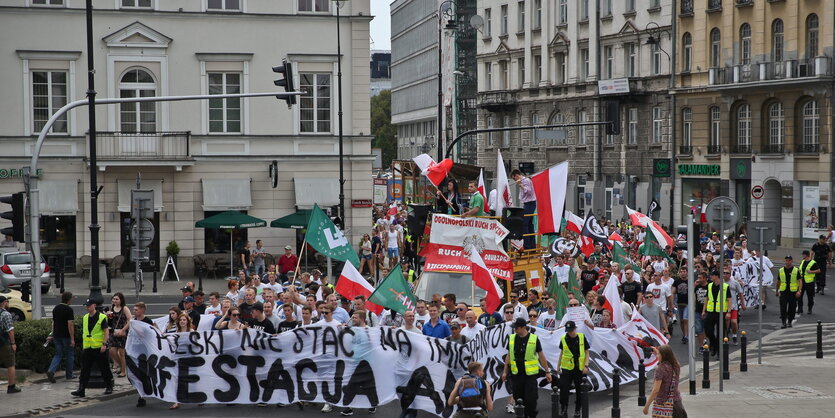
(326, 238)
(394, 293)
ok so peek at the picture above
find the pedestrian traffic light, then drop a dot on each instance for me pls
(16, 215)
(286, 68)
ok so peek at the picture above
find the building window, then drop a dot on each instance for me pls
(234, 5)
(607, 8)
(144, 4)
(811, 123)
(561, 67)
(537, 69)
(654, 4)
(811, 36)
(715, 130)
(584, 9)
(557, 119)
(657, 122)
(534, 122)
(582, 116)
(715, 48)
(777, 40)
(506, 134)
(315, 103)
(632, 128)
(488, 76)
(656, 58)
(563, 12)
(581, 195)
(630, 6)
(520, 24)
(745, 44)
(743, 128)
(609, 192)
(137, 117)
(48, 2)
(49, 93)
(686, 128)
(490, 135)
(314, 6)
(521, 64)
(488, 22)
(537, 14)
(503, 75)
(584, 56)
(503, 28)
(631, 59)
(687, 51)
(609, 52)
(225, 114)
(776, 125)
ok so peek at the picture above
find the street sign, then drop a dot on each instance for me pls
(142, 204)
(140, 254)
(757, 192)
(142, 232)
(769, 234)
(722, 213)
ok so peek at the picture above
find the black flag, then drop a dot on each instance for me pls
(654, 206)
(593, 230)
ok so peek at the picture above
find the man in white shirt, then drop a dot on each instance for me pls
(658, 264)
(548, 318)
(519, 310)
(461, 310)
(560, 271)
(409, 323)
(421, 315)
(471, 327)
(214, 304)
(661, 293)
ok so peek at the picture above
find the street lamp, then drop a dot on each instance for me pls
(339, 4)
(446, 12)
(95, 288)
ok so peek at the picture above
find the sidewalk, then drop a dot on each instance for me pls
(39, 397)
(790, 381)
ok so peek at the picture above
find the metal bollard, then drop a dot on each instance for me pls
(743, 365)
(585, 387)
(726, 371)
(155, 281)
(200, 278)
(819, 351)
(706, 371)
(642, 380)
(520, 408)
(616, 394)
(555, 397)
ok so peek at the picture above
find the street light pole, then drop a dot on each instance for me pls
(339, 4)
(95, 288)
(449, 13)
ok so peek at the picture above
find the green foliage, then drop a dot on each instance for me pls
(382, 129)
(30, 336)
(173, 248)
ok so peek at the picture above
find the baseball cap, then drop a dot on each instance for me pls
(454, 325)
(185, 289)
(519, 323)
(188, 299)
(258, 306)
(287, 247)
(570, 325)
(3, 299)
(789, 257)
(89, 302)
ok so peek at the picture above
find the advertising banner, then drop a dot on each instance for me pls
(452, 238)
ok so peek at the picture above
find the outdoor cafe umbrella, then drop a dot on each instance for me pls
(231, 220)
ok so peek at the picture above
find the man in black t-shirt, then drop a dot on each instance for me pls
(630, 288)
(246, 258)
(523, 382)
(588, 278)
(700, 290)
(248, 303)
(63, 337)
(822, 252)
(289, 321)
(259, 321)
(139, 315)
(199, 302)
(680, 291)
(188, 304)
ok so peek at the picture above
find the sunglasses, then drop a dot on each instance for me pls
(326, 312)
(460, 309)
(534, 316)
(574, 305)
(234, 314)
(508, 313)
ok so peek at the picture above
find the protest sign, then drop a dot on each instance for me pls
(351, 367)
(452, 238)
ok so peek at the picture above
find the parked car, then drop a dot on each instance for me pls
(20, 310)
(16, 268)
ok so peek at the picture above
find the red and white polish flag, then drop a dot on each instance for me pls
(645, 221)
(484, 280)
(435, 172)
(573, 222)
(549, 186)
(483, 190)
(351, 284)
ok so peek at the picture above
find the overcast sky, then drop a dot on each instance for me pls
(381, 25)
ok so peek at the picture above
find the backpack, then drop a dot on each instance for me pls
(470, 392)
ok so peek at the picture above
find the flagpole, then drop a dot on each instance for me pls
(441, 193)
(301, 254)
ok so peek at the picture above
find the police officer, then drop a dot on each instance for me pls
(524, 357)
(809, 269)
(718, 302)
(94, 334)
(789, 289)
(574, 361)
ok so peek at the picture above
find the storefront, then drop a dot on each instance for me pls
(699, 184)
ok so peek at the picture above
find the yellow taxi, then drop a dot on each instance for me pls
(20, 310)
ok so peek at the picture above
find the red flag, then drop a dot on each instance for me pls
(703, 215)
(483, 190)
(351, 284)
(549, 187)
(586, 245)
(435, 172)
(485, 280)
(616, 237)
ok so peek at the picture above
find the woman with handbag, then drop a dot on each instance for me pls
(665, 397)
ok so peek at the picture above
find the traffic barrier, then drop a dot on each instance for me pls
(642, 380)
(616, 394)
(706, 365)
(520, 408)
(819, 351)
(726, 371)
(555, 397)
(743, 365)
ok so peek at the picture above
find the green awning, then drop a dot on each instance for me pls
(231, 220)
(297, 220)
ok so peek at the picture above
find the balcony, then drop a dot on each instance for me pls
(743, 3)
(781, 71)
(714, 6)
(742, 149)
(144, 146)
(714, 149)
(497, 101)
(686, 8)
(808, 148)
(774, 149)
(685, 150)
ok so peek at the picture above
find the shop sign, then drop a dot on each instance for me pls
(699, 169)
(10, 173)
(361, 203)
(661, 167)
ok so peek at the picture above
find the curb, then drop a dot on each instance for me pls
(81, 402)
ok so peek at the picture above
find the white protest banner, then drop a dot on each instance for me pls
(451, 238)
(356, 367)
(206, 323)
(578, 314)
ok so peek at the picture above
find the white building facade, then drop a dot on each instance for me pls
(199, 157)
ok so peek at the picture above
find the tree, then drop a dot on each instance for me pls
(381, 127)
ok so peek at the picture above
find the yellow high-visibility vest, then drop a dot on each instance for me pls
(793, 279)
(806, 266)
(531, 360)
(713, 304)
(567, 359)
(92, 338)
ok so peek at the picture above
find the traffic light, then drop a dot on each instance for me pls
(286, 69)
(16, 215)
